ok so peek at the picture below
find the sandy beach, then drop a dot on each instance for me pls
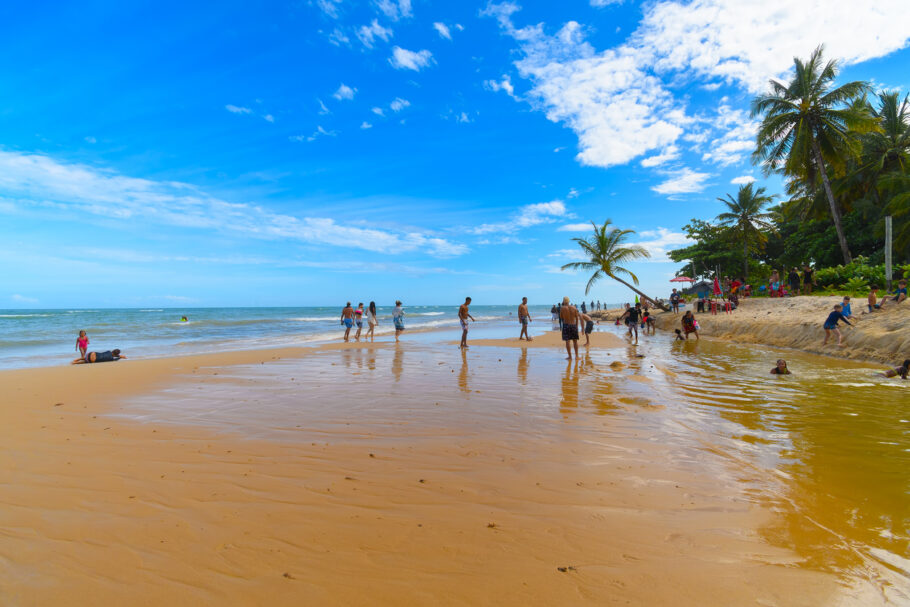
(388, 475)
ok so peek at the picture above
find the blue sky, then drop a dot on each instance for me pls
(305, 153)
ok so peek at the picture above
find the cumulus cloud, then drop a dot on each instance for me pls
(403, 59)
(394, 9)
(42, 184)
(344, 92)
(742, 180)
(528, 216)
(443, 30)
(682, 181)
(622, 101)
(670, 153)
(502, 85)
(397, 105)
(367, 34)
(658, 242)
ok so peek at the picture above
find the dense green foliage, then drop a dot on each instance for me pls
(845, 160)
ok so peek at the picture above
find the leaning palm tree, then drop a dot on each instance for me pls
(747, 216)
(606, 250)
(806, 128)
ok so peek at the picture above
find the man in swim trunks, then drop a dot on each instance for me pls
(569, 318)
(463, 317)
(589, 327)
(99, 357)
(633, 317)
(347, 319)
(524, 317)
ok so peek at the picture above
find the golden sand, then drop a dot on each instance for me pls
(457, 482)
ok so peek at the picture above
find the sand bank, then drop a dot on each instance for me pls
(796, 322)
(397, 475)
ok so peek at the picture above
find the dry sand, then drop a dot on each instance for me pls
(542, 503)
(796, 322)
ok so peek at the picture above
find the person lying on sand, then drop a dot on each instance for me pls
(831, 324)
(781, 368)
(901, 371)
(99, 357)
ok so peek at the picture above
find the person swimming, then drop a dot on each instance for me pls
(183, 319)
(901, 371)
(781, 368)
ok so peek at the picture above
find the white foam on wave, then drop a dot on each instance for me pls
(22, 315)
(316, 318)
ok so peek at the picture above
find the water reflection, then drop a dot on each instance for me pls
(569, 400)
(523, 367)
(398, 362)
(463, 372)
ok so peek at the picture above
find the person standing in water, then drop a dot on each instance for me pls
(82, 343)
(569, 319)
(524, 317)
(689, 324)
(398, 319)
(371, 320)
(358, 320)
(589, 327)
(347, 319)
(463, 316)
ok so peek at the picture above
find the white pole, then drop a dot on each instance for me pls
(888, 250)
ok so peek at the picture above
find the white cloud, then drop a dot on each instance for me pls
(602, 3)
(463, 117)
(23, 299)
(742, 180)
(397, 105)
(682, 181)
(367, 34)
(658, 242)
(528, 216)
(323, 110)
(503, 85)
(575, 227)
(268, 118)
(42, 184)
(670, 153)
(622, 101)
(394, 9)
(319, 132)
(91, 140)
(338, 37)
(329, 7)
(365, 125)
(234, 109)
(459, 27)
(378, 111)
(443, 30)
(403, 59)
(344, 92)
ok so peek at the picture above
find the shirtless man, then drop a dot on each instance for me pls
(569, 319)
(99, 357)
(524, 317)
(347, 319)
(589, 326)
(463, 317)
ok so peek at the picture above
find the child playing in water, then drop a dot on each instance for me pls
(679, 336)
(82, 343)
(901, 371)
(781, 368)
(831, 324)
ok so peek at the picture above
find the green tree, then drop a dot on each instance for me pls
(713, 248)
(806, 127)
(748, 217)
(606, 251)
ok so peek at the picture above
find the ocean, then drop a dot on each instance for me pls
(31, 338)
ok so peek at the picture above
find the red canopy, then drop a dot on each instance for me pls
(717, 290)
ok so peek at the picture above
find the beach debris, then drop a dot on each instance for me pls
(371, 455)
(58, 404)
(566, 569)
(350, 478)
(491, 525)
(421, 481)
(288, 576)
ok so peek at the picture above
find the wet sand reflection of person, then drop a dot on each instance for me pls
(463, 373)
(398, 362)
(569, 388)
(523, 367)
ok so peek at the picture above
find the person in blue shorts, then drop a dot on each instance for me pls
(831, 324)
(347, 319)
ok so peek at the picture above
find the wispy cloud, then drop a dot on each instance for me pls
(397, 105)
(443, 30)
(403, 59)
(528, 216)
(657, 242)
(22, 299)
(319, 132)
(575, 227)
(91, 140)
(742, 180)
(235, 109)
(368, 34)
(365, 125)
(330, 7)
(394, 9)
(344, 92)
(682, 181)
(41, 184)
(502, 85)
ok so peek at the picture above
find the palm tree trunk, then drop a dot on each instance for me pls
(835, 212)
(745, 257)
(656, 303)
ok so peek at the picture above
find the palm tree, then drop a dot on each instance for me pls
(747, 215)
(606, 250)
(806, 127)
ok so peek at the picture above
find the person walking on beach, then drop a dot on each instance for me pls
(371, 321)
(524, 317)
(463, 316)
(831, 324)
(584, 310)
(398, 319)
(554, 312)
(793, 280)
(690, 325)
(559, 315)
(633, 317)
(569, 319)
(674, 301)
(808, 279)
(99, 357)
(358, 320)
(347, 319)
(82, 343)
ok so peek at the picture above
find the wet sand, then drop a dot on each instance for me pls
(376, 475)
